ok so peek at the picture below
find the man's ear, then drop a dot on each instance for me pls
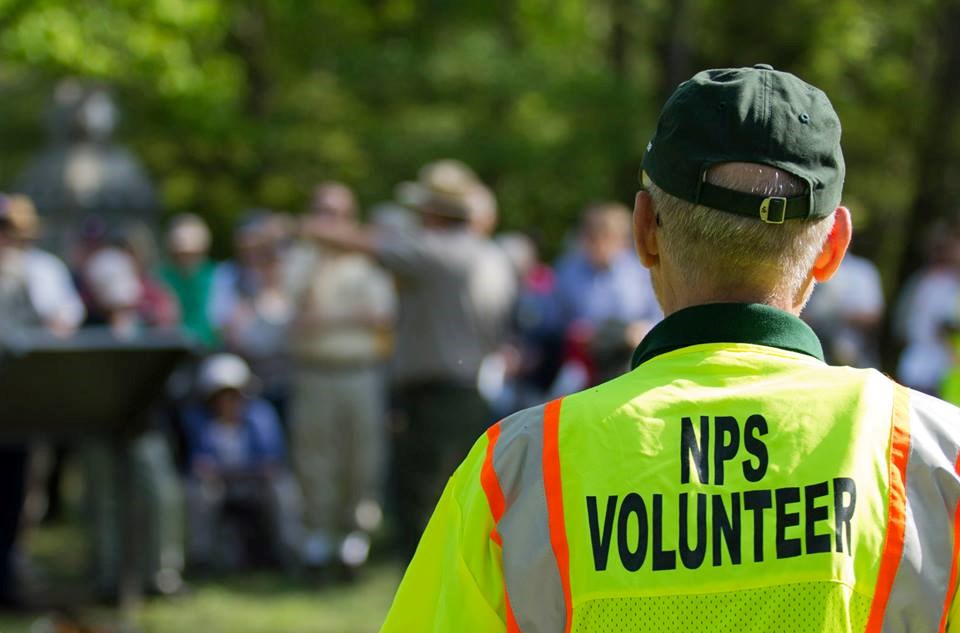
(645, 230)
(835, 247)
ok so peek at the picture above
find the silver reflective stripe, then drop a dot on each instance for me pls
(933, 491)
(530, 568)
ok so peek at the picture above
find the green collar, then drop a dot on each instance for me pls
(753, 323)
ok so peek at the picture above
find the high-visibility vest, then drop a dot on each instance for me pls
(760, 490)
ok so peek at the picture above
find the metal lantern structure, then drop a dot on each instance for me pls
(83, 171)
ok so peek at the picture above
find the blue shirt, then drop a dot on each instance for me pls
(621, 292)
(259, 431)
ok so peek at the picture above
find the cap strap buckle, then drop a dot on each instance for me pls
(773, 210)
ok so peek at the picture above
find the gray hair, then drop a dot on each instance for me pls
(726, 254)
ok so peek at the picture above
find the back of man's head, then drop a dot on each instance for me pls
(730, 255)
(745, 172)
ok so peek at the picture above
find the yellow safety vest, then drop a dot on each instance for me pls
(734, 484)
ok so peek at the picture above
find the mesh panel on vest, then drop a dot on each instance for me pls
(813, 607)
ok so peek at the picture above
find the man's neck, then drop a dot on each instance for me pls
(677, 303)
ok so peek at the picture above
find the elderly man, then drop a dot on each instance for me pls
(732, 481)
(189, 272)
(340, 340)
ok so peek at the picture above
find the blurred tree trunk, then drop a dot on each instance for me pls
(248, 40)
(935, 159)
(673, 50)
(617, 53)
(617, 47)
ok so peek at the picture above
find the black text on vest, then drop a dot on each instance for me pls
(715, 521)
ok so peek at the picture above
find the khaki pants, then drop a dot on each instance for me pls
(338, 445)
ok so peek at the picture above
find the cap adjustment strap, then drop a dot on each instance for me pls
(770, 209)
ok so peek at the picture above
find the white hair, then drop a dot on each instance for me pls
(112, 276)
(722, 253)
(188, 233)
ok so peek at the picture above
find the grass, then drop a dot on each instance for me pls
(259, 602)
(266, 603)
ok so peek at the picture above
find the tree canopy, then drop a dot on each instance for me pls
(240, 103)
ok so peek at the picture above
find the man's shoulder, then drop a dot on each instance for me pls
(937, 415)
(38, 255)
(521, 423)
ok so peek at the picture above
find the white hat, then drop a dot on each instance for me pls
(224, 371)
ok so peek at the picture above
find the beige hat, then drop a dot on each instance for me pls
(443, 187)
(18, 213)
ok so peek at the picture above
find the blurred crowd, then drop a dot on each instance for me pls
(344, 367)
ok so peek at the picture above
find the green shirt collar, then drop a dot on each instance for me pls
(753, 323)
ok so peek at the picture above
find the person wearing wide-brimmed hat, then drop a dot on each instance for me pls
(445, 329)
(53, 301)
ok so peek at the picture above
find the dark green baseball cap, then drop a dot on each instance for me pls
(750, 115)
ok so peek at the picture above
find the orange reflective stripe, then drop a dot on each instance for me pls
(498, 505)
(896, 507)
(491, 485)
(554, 493)
(511, 621)
(952, 587)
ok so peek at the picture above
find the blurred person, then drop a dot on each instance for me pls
(237, 279)
(50, 290)
(36, 293)
(113, 278)
(390, 216)
(189, 273)
(237, 461)
(441, 337)
(92, 235)
(538, 347)
(340, 338)
(493, 286)
(604, 299)
(157, 306)
(260, 312)
(846, 313)
(483, 210)
(928, 308)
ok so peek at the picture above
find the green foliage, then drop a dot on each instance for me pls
(240, 103)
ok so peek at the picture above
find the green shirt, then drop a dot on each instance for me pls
(193, 289)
